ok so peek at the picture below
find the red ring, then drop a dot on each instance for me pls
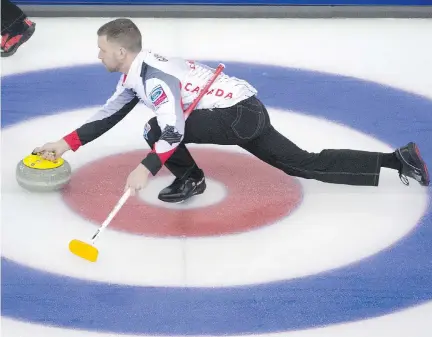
(258, 195)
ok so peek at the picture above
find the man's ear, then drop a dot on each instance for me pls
(122, 52)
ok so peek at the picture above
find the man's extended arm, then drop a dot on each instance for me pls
(113, 111)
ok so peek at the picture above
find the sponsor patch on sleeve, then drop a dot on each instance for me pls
(158, 96)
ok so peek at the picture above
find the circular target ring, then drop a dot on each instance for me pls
(153, 305)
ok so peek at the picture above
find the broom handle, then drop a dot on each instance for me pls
(191, 107)
(113, 213)
(188, 111)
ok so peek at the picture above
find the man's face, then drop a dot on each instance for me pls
(110, 53)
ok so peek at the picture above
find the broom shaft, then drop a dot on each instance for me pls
(204, 90)
(113, 213)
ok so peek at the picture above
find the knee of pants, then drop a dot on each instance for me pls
(152, 131)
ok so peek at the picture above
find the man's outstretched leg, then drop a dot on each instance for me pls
(189, 179)
(337, 166)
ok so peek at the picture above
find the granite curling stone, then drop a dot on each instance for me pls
(37, 174)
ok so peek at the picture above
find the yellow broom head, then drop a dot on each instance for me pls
(84, 250)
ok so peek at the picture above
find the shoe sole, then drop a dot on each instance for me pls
(423, 166)
(26, 36)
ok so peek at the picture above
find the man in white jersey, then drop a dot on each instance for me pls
(230, 113)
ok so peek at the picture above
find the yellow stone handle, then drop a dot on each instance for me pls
(37, 162)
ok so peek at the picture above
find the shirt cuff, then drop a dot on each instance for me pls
(73, 140)
(152, 162)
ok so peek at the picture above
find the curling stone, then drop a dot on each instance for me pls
(37, 174)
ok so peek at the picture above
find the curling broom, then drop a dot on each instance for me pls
(88, 251)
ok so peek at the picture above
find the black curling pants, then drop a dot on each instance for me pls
(247, 124)
(12, 18)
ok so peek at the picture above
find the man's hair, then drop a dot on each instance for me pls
(124, 32)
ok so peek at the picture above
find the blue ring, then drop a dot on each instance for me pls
(396, 278)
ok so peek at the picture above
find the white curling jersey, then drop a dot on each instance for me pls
(167, 86)
(192, 76)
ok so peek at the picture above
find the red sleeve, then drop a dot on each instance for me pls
(73, 140)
